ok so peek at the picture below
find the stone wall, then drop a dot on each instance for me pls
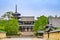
(45, 35)
(2, 34)
(54, 35)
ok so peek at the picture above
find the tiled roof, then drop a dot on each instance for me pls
(40, 31)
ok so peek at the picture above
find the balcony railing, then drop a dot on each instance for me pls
(26, 25)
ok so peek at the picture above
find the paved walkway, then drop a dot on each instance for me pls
(21, 39)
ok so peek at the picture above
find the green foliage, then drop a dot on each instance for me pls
(40, 23)
(36, 25)
(2, 27)
(10, 26)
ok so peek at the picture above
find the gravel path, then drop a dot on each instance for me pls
(21, 39)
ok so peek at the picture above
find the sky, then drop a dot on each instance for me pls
(31, 7)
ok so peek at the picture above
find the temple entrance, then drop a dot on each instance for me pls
(26, 29)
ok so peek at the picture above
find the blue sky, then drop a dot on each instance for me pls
(31, 7)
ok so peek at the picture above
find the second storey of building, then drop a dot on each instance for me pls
(26, 21)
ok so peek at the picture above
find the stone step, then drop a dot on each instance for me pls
(27, 36)
(27, 33)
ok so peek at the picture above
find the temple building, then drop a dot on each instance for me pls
(16, 14)
(55, 21)
(26, 23)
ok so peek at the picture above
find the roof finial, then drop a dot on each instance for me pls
(16, 8)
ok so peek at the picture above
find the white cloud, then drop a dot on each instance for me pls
(40, 12)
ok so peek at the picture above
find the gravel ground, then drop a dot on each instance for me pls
(21, 39)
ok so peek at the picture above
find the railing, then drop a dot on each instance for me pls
(26, 25)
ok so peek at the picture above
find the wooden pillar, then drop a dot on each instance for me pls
(25, 29)
(29, 29)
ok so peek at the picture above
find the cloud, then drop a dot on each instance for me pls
(36, 13)
(31, 7)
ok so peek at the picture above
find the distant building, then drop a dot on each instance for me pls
(26, 23)
(16, 14)
(55, 21)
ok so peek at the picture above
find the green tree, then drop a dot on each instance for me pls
(12, 26)
(2, 27)
(9, 26)
(40, 23)
(8, 15)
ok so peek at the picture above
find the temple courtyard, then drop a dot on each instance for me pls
(22, 39)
